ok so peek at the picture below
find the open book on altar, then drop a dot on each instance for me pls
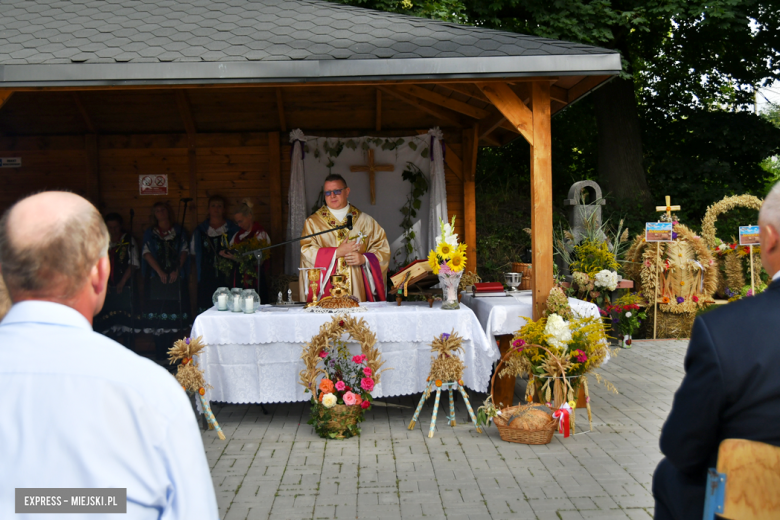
(418, 272)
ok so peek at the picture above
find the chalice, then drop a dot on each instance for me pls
(513, 280)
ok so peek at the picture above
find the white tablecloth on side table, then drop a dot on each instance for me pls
(506, 314)
(255, 358)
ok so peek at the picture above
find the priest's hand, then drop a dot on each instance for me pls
(355, 258)
(347, 248)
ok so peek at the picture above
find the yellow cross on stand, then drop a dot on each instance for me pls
(371, 168)
(668, 208)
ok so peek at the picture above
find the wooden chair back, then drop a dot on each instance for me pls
(752, 472)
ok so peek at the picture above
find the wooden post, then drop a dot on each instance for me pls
(275, 184)
(93, 169)
(541, 198)
(470, 141)
(752, 275)
(655, 299)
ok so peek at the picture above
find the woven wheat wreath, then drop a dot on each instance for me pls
(330, 332)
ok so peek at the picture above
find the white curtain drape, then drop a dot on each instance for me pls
(297, 200)
(438, 187)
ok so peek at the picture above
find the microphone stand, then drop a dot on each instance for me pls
(132, 283)
(348, 225)
(178, 262)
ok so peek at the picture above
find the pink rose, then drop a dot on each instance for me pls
(367, 372)
(356, 359)
(365, 404)
(367, 384)
(323, 354)
(350, 399)
(340, 386)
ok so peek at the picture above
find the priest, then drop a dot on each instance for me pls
(361, 255)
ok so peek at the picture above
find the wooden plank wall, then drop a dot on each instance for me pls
(234, 165)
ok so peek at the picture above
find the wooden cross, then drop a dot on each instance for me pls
(668, 208)
(371, 168)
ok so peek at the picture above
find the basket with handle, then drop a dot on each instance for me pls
(502, 422)
(525, 270)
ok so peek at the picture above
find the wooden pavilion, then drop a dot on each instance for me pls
(94, 93)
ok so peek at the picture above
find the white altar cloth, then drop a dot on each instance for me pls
(255, 358)
(506, 315)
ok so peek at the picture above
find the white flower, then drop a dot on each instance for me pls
(722, 247)
(558, 330)
(606, 279)
(329, 401)
(628, 314)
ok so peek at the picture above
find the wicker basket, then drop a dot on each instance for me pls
(341, 417)
(543, 436)
(525, 270)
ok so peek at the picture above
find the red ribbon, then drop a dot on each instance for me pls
(562, 414)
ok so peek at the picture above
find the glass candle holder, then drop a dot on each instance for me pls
(234, 300)
(250, 301)
(220, 298)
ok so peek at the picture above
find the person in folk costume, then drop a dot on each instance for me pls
(115, 319)
(361, 255)
(248, 228)
(210, 238)
(165, 270)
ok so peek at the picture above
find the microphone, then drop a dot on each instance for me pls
(349, 222)
(188, 199)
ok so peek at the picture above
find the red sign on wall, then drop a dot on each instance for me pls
(153, 184)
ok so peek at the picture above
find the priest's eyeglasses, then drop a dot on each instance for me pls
(334, 192)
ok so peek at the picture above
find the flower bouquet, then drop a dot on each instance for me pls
(627, 315)
(343, 392)
(448, 261)
(247, 264)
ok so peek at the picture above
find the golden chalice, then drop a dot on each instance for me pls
(314, 281)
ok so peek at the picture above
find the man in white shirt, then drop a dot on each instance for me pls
(80, 410)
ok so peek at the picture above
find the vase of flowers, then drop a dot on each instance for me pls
(343, 395)
(627, 315)
(448, 261)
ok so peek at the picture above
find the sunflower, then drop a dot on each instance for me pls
(444, 250)
(462, 248)
(433, 261)
(457, 262)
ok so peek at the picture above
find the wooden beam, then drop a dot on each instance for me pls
(541, 198)
(455, 164)
(444, 101)
(5, 95)
(93, 169)
(588, 83)
(378, 110)
(511, 106)
(466, 88)
(559, 94)
(469, 147)
(84, 114)
(275, 185)
(425, 107)
(280, 108)
(490, 123)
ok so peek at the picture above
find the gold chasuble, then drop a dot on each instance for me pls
(368, 281)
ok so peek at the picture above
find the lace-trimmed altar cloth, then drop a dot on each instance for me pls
(256, 358)
(505, 315)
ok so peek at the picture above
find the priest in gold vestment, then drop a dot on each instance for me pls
(361, 255)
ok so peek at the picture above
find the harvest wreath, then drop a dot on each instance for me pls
(344, 392)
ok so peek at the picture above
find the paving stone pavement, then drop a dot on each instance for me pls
(275, 467)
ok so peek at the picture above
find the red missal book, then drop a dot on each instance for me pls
(488, 287)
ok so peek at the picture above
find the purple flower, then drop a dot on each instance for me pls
(445, 336)
(680, 299)
(729, 293)
(187, 341)
(674, 235)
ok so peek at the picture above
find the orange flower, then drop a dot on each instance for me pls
(358, 400)
(326, 385)
(666, 299)
(322, 394)
(202, 391)
(438, 382)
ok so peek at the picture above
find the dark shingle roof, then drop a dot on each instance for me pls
(67, 32)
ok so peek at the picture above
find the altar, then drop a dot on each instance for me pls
(256, 358)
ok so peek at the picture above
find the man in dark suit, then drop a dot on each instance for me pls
(731, 387)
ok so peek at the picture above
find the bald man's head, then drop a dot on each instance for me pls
(49, 243)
